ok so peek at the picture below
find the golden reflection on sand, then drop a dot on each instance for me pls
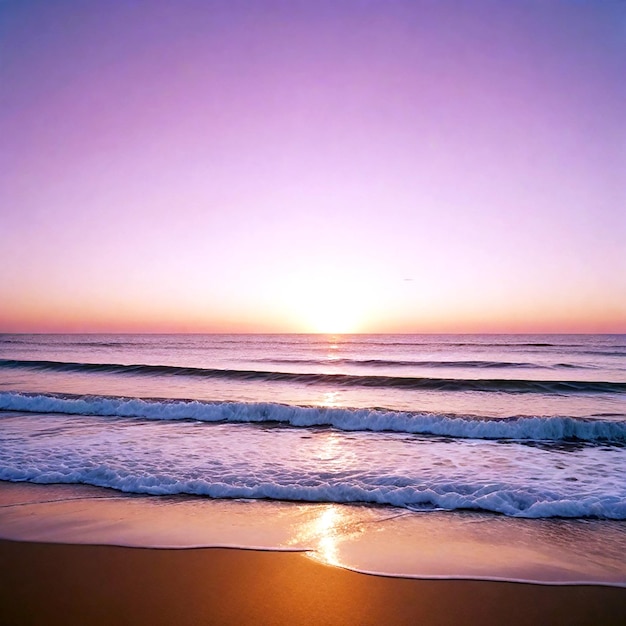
(322, 532)
(325, 529)
(326, 526)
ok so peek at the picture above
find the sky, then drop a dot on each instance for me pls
(313, 166)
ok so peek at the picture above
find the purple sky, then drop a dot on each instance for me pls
(313, 166)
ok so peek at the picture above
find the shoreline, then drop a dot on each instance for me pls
(369, 540)
(77, 584)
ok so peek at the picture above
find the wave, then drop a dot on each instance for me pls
(409, 343)
(501, 498)
(348, 380)
(529, 428)
(65, 344)
(483, 341)
(427, 363)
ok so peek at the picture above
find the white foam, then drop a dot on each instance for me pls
(538, 428)
(242, 461)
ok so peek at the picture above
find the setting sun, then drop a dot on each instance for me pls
(328, 303)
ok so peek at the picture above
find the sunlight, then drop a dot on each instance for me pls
(330, 399)
(327, 529)
(330, 449)
(328, 312)
(323, 532)
(328, 304)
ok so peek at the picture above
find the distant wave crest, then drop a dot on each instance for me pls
(425, 363)
(349, 380)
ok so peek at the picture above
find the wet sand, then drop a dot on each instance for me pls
(81, 584)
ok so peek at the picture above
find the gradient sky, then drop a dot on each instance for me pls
(335, 166)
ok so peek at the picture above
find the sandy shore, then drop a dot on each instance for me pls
(78, 584)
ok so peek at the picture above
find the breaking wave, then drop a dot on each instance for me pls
(529, 428)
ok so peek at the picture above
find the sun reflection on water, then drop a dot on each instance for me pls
(332, 348)
(330, 399)
(331, 452)
(333, 358)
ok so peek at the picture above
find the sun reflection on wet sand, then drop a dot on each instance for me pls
(327, 526)
(323, 532)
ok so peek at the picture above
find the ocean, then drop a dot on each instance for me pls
(524, 432)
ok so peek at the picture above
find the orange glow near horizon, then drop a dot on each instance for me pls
(339, 317)
(325, 302)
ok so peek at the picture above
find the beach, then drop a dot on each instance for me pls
(77, 584)
(80, 555)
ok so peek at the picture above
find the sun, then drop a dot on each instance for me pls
(329, 312)
(328, 305)
(333, 318)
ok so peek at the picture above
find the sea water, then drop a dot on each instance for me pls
(503, 427)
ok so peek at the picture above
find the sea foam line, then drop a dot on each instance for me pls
(493, 498)
(534, 428)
